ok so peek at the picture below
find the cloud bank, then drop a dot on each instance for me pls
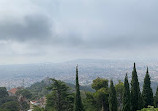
(51, 31)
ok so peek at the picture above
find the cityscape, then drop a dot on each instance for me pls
(89, 69)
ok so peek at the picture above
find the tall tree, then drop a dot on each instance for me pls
(78, 102)
(136, 100)
(147, 93)
(60, 99)
(126, 95)
(156, 99)
(112, 97)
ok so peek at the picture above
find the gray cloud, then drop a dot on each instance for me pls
(93, 28)
(33, 27)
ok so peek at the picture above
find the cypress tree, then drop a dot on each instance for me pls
(126, 95)
(156, 99)
(147, 93)
(140, 101)
(112, 97)
(136, 100)
(78, 102)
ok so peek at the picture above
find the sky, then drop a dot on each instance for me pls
(38, 31)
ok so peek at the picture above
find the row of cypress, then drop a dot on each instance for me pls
(133, 99)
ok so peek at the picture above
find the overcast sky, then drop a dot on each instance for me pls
(35, 31)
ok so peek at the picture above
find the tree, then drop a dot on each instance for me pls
(4, 97)
(119, 92)
(39, 89)
(136, 99)
(147, 93)
(126, 95)
(36, 108)
(90, 103)
(8, 103)
(101, 94)
(112, 97)
(156, 99)
(7, 99)
(3, 92)
(10, 106)
(100, 83)
(25, 93)
(78, 102)
(60, 99)
(98, 100)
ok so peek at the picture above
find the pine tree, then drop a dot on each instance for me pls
(78, 102)
(136, 99)
(101, 95)
(126, 95)
(112, 97)
(60, 97)
(147, 93)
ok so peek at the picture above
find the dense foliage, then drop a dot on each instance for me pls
(25, 93)
(39, 89)
(121, 97)
(60, 98)
(147, 93)
(8, 103)
(102, 93)
(136, 99)
(126, 95)
(119, 94)
(112, 97)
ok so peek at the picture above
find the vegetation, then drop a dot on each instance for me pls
(119, 94)
(102, 93)
(126, 95)
(112, 97)
(25, 93)
(147, 93)
(156, 99)
(151, 108)
(136, 99)
(8, 103)
(11, 106)
(78, 106)
(62, 96)
(36, 108)
(39, 89)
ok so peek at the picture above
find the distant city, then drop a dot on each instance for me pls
(89, 69)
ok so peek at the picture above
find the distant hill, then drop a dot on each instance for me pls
(39, 89)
